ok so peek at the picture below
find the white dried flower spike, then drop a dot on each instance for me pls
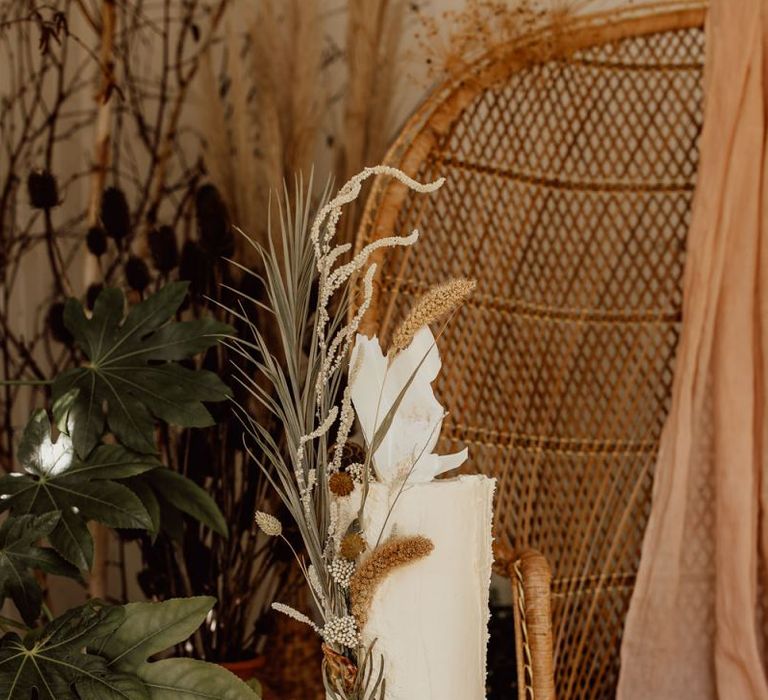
(268, 524)
(342, 631)
(296, 615)
(357, 471)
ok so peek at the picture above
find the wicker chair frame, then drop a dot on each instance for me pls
(574, 464)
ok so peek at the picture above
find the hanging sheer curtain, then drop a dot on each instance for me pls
(694, 628)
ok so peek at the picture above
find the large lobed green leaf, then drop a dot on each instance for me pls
(49, 663)
(132, 376)
(20, 553)
(99, 652)
(150, 628)
(55, 479)
(182, 494)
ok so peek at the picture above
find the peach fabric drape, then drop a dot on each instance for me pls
(694, 628)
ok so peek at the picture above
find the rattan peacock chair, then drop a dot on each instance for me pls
(570, 174)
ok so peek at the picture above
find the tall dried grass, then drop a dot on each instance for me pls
(262, 119)
(264, 111)
(375, 29)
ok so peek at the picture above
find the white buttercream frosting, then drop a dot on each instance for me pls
(430, 618)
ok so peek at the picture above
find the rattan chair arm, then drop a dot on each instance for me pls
(531, 580)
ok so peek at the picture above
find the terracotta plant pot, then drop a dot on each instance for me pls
(245, 670)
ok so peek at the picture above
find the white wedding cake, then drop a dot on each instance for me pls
(429, 620)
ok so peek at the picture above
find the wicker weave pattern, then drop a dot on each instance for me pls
(568, 196)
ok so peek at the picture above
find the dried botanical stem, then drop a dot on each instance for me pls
(436, 303)
(168, 141)
(103, 97)
(98, 580)
(374, 31)
(391, 555)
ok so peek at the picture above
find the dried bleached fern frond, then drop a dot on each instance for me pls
(386, 558)
(436, 303)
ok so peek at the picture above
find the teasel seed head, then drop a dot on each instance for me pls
(43, 189)
(136, 273)
(341, 484)
(163, 248)
(96, 240)
(115, 215)
(92, 294)
(194, 267)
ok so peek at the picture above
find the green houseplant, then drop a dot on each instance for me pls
(103, 466)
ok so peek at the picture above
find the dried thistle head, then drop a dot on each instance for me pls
(341, 484)
(352, 546)
(393, 554)
(437, 302)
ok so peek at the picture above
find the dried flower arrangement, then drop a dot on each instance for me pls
(326, 377)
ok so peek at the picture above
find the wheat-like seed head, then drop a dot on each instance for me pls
(437, 302)
(387, 557)
(268, 524)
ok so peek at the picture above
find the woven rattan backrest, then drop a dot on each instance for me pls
(569, 188)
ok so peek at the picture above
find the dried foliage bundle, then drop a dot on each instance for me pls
(263, 108)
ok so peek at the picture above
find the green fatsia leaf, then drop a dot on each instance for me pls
(132, 377)
(51, 663)
(189, 679)
(150, 628)
(19, 553)
(55, 480)
(114, 462)
(186, 496)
